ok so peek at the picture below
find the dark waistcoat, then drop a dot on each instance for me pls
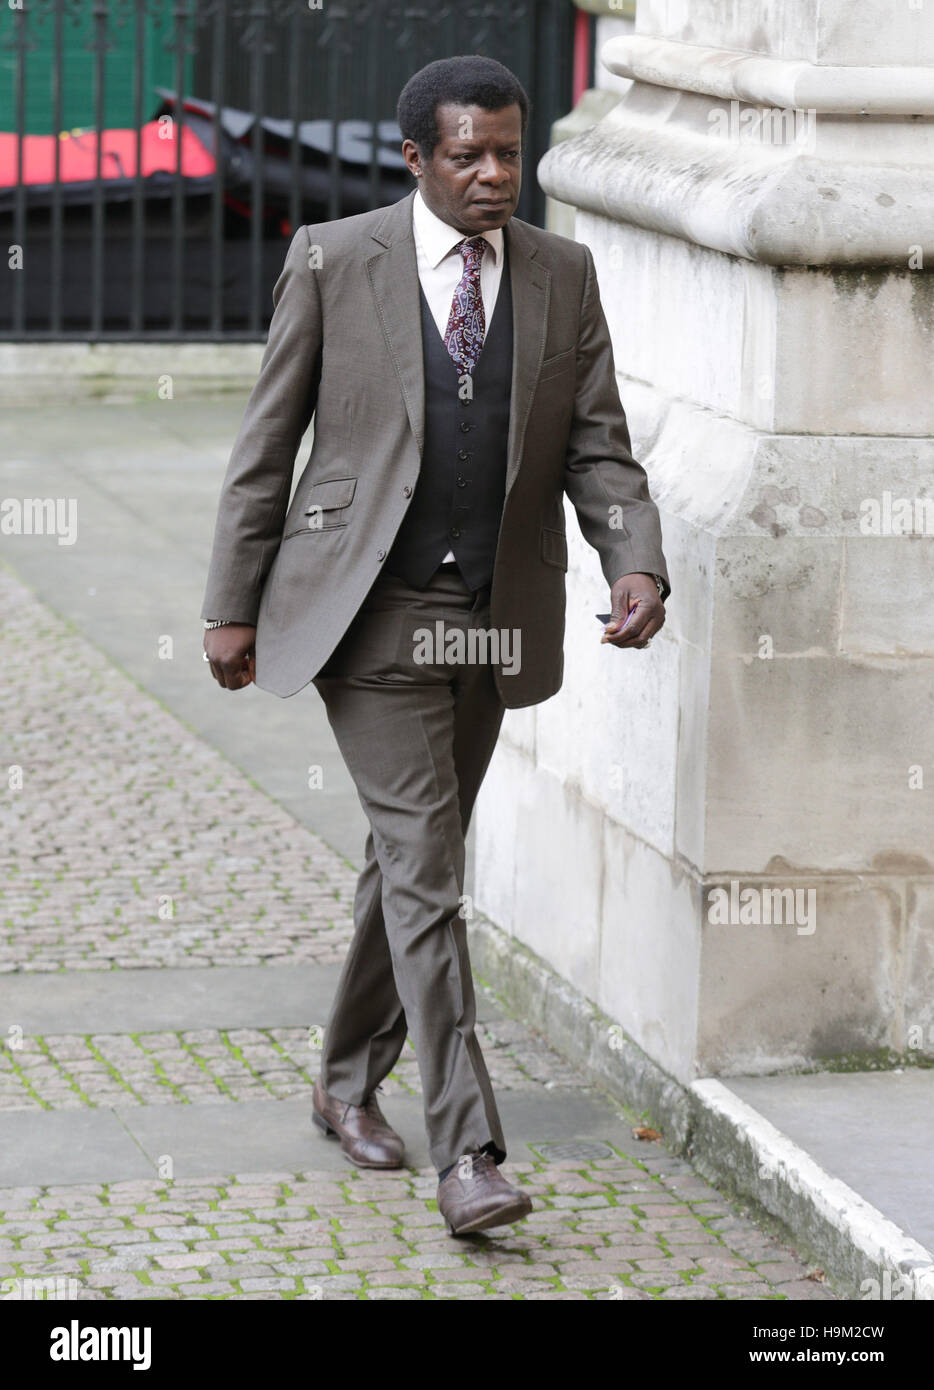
(458, 501)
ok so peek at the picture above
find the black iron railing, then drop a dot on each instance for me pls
(156, 155)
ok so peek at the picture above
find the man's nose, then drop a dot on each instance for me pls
(491, 171)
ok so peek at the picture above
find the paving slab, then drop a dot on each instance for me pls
(140, 1001)
(872, 1130)
(74, 1146)
(113, 1144)
(147, 1001)
(264, 1136)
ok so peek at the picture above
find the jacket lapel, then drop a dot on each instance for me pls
(393, 275)
(392, 272)
(531, 293)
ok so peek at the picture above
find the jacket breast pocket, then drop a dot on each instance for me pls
(559, 363)
(327, 506)
(554, 547)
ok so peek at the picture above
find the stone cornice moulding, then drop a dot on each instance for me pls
(655, 161)
(731, 74)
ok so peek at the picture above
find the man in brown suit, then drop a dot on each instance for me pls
(459, 369)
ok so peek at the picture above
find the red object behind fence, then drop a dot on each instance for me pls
(78, 155)
(581, 81)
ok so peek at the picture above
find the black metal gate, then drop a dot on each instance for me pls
(155, 155)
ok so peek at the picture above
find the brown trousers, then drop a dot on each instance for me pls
(417, 737)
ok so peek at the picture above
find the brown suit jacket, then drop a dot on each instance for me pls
(345, 346)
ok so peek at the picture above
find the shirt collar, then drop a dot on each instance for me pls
(438, 239)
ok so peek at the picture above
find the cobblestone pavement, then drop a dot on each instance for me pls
(69, 1070)
(127, 842)
(133, 843)
(613, 1229)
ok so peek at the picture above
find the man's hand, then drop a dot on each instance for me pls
(636, 598)
(232, 654)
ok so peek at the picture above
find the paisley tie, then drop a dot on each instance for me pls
(463, 337)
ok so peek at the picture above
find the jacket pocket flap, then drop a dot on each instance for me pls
(554, 547)
(333, 492)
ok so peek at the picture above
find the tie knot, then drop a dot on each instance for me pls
(473, 248)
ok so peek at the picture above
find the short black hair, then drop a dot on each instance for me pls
(468, 80)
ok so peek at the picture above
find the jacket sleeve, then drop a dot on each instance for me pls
(608, 488)
(255, 491)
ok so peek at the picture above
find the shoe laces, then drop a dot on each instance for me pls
(479, 1160)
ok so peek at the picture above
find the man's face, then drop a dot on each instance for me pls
(472, 179)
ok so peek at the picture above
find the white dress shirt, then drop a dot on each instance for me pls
(440, 267)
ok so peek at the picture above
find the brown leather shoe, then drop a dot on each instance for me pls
(475, 1195)
(366, 1138)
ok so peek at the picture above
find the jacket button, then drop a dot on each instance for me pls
(406, 492)
(380, 554)
(466, 426)
(454, 533)
(463, 454)
(461, 481)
